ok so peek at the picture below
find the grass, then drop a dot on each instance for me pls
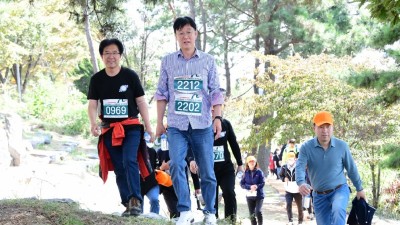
(33, 211)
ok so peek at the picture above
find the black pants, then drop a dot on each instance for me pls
(255, 205)
(171, 200)
(289, 201)
(226, 180)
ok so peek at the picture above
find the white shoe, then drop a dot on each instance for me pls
(186, 218)
(311, 216)
(290, 223)
(210, 219)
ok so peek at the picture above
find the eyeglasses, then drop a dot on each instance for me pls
(108, 54)
(185, 33)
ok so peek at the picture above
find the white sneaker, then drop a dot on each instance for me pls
(186, 218)
(210, 219)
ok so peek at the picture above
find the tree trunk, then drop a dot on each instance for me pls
(18, 75)
(204, 22)
(89, 40)
(227, 69)
(257, 43)
(31, 65)
(263, 156)
(192, 14)
(376, 179)
(143, 55)
(3, 79)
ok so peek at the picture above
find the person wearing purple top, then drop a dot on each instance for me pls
(189, 86)
(326, 157)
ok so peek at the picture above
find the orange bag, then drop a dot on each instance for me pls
(163, 178)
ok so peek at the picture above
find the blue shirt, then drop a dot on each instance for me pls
(326, 167)
(175, 65)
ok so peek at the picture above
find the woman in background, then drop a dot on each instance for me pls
(253, 182)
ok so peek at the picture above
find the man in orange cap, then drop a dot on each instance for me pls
(326, 157)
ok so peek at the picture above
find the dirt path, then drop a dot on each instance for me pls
(52, 174)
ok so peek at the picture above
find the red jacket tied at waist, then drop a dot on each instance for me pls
(118, 135)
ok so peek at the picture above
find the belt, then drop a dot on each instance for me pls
(329, 191)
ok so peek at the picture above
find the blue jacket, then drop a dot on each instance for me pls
(252, 177)
(361, 212)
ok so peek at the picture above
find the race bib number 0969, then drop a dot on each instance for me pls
(115, 108)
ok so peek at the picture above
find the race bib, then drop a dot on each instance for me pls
(250, 193)
(115, 108)
(219, 153)
(188, 104)
(188, 84)
(291, 186)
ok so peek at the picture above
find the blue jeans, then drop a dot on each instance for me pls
(152, 195)
(278, 170)
(126, 168)
(201, 142)
(330, 209)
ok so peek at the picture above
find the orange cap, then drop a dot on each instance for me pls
(323, 117)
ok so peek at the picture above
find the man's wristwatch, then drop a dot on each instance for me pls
(218, 117)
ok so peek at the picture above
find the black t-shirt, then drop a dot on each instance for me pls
(227, 136)
(277, 159)
(124, 85)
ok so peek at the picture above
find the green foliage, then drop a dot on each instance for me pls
(84, 70)
(393, 156)
(386, 35)
(41, 41)
(384, 10)
(59, 107)
(387, 82)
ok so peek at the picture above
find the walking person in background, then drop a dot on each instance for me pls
(253, 181)
(290, 147)
(326, 157)
(120, 97)
(224, 169)
(292, 190)
(189, 84)
(271, 166)
(277, 162)
(149, 185)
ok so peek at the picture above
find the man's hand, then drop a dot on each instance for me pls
(95, 130)
(305, 189)
(160, 129)
(361, 194)
(150, 132)
(217, 128)
(193, 167)
(164, 165)
(240, 168)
